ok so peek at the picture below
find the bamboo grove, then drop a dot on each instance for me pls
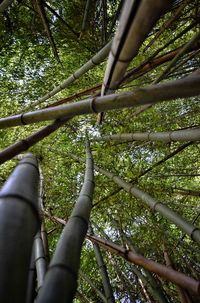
(99, 154)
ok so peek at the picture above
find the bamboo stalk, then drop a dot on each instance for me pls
(182, 88)
(167, 273)
(190, 134)
(31, 284)
(89, 281)
(40, 260)
(85, 16)
(136, 21)
(61, 280)
(103, 271)
(187, 227)
(19, 221)
(95, 60)
(24, 144)
(182, 51)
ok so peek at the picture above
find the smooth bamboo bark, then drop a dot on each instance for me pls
(19, 222)
(187, 227)
(31, 283)
(61, 279)
(85, 16)
(167, 273)
(24, 144)
(40, 260)
(136, 21)
(104, 273)
(182, 88)
(89, 281)
(190, 134)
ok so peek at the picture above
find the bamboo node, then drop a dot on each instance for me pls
(81, 218)
(92, 105)
(22, 119)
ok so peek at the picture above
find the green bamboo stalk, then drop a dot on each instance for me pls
(136, 21)
(103, 271)
(187, 227)
(19, 221)
(24, 144)
(190, 134)
(61, 279)
(89, 281)
(95, 60)
(167, 273)
(4, 5)
(182, 88)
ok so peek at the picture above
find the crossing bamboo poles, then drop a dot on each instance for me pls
(190, 134)
(61, 279)
(19, 222)
(182, 88)
(167, 273)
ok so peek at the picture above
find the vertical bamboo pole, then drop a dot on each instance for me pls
(103, 271)
(19, 221)
(61, 279)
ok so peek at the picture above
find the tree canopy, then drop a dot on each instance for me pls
(153, 147)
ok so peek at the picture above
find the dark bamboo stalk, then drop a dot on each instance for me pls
(185, 191)
(19, 221)
(104, 273)
(167, 273)
(22, 145)
(190, 134)
(31, 284)
(85, 16)
(182, 88)
(61, 280)
(40, 260)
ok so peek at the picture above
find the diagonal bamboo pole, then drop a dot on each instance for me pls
(19, 221)
(167, 273)
(61, 280)
(95, 60)
(190, 134)
(187, 227)
(182, 88)
(24, 144)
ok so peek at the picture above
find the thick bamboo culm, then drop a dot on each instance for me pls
(155, 205)
(190, 134)
(167, 273)
(40, 260)
(182, 88)
(61, 279)
(136, 21)
(19, 222)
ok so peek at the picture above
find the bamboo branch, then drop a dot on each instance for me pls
(182, 88)
(167, 273)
